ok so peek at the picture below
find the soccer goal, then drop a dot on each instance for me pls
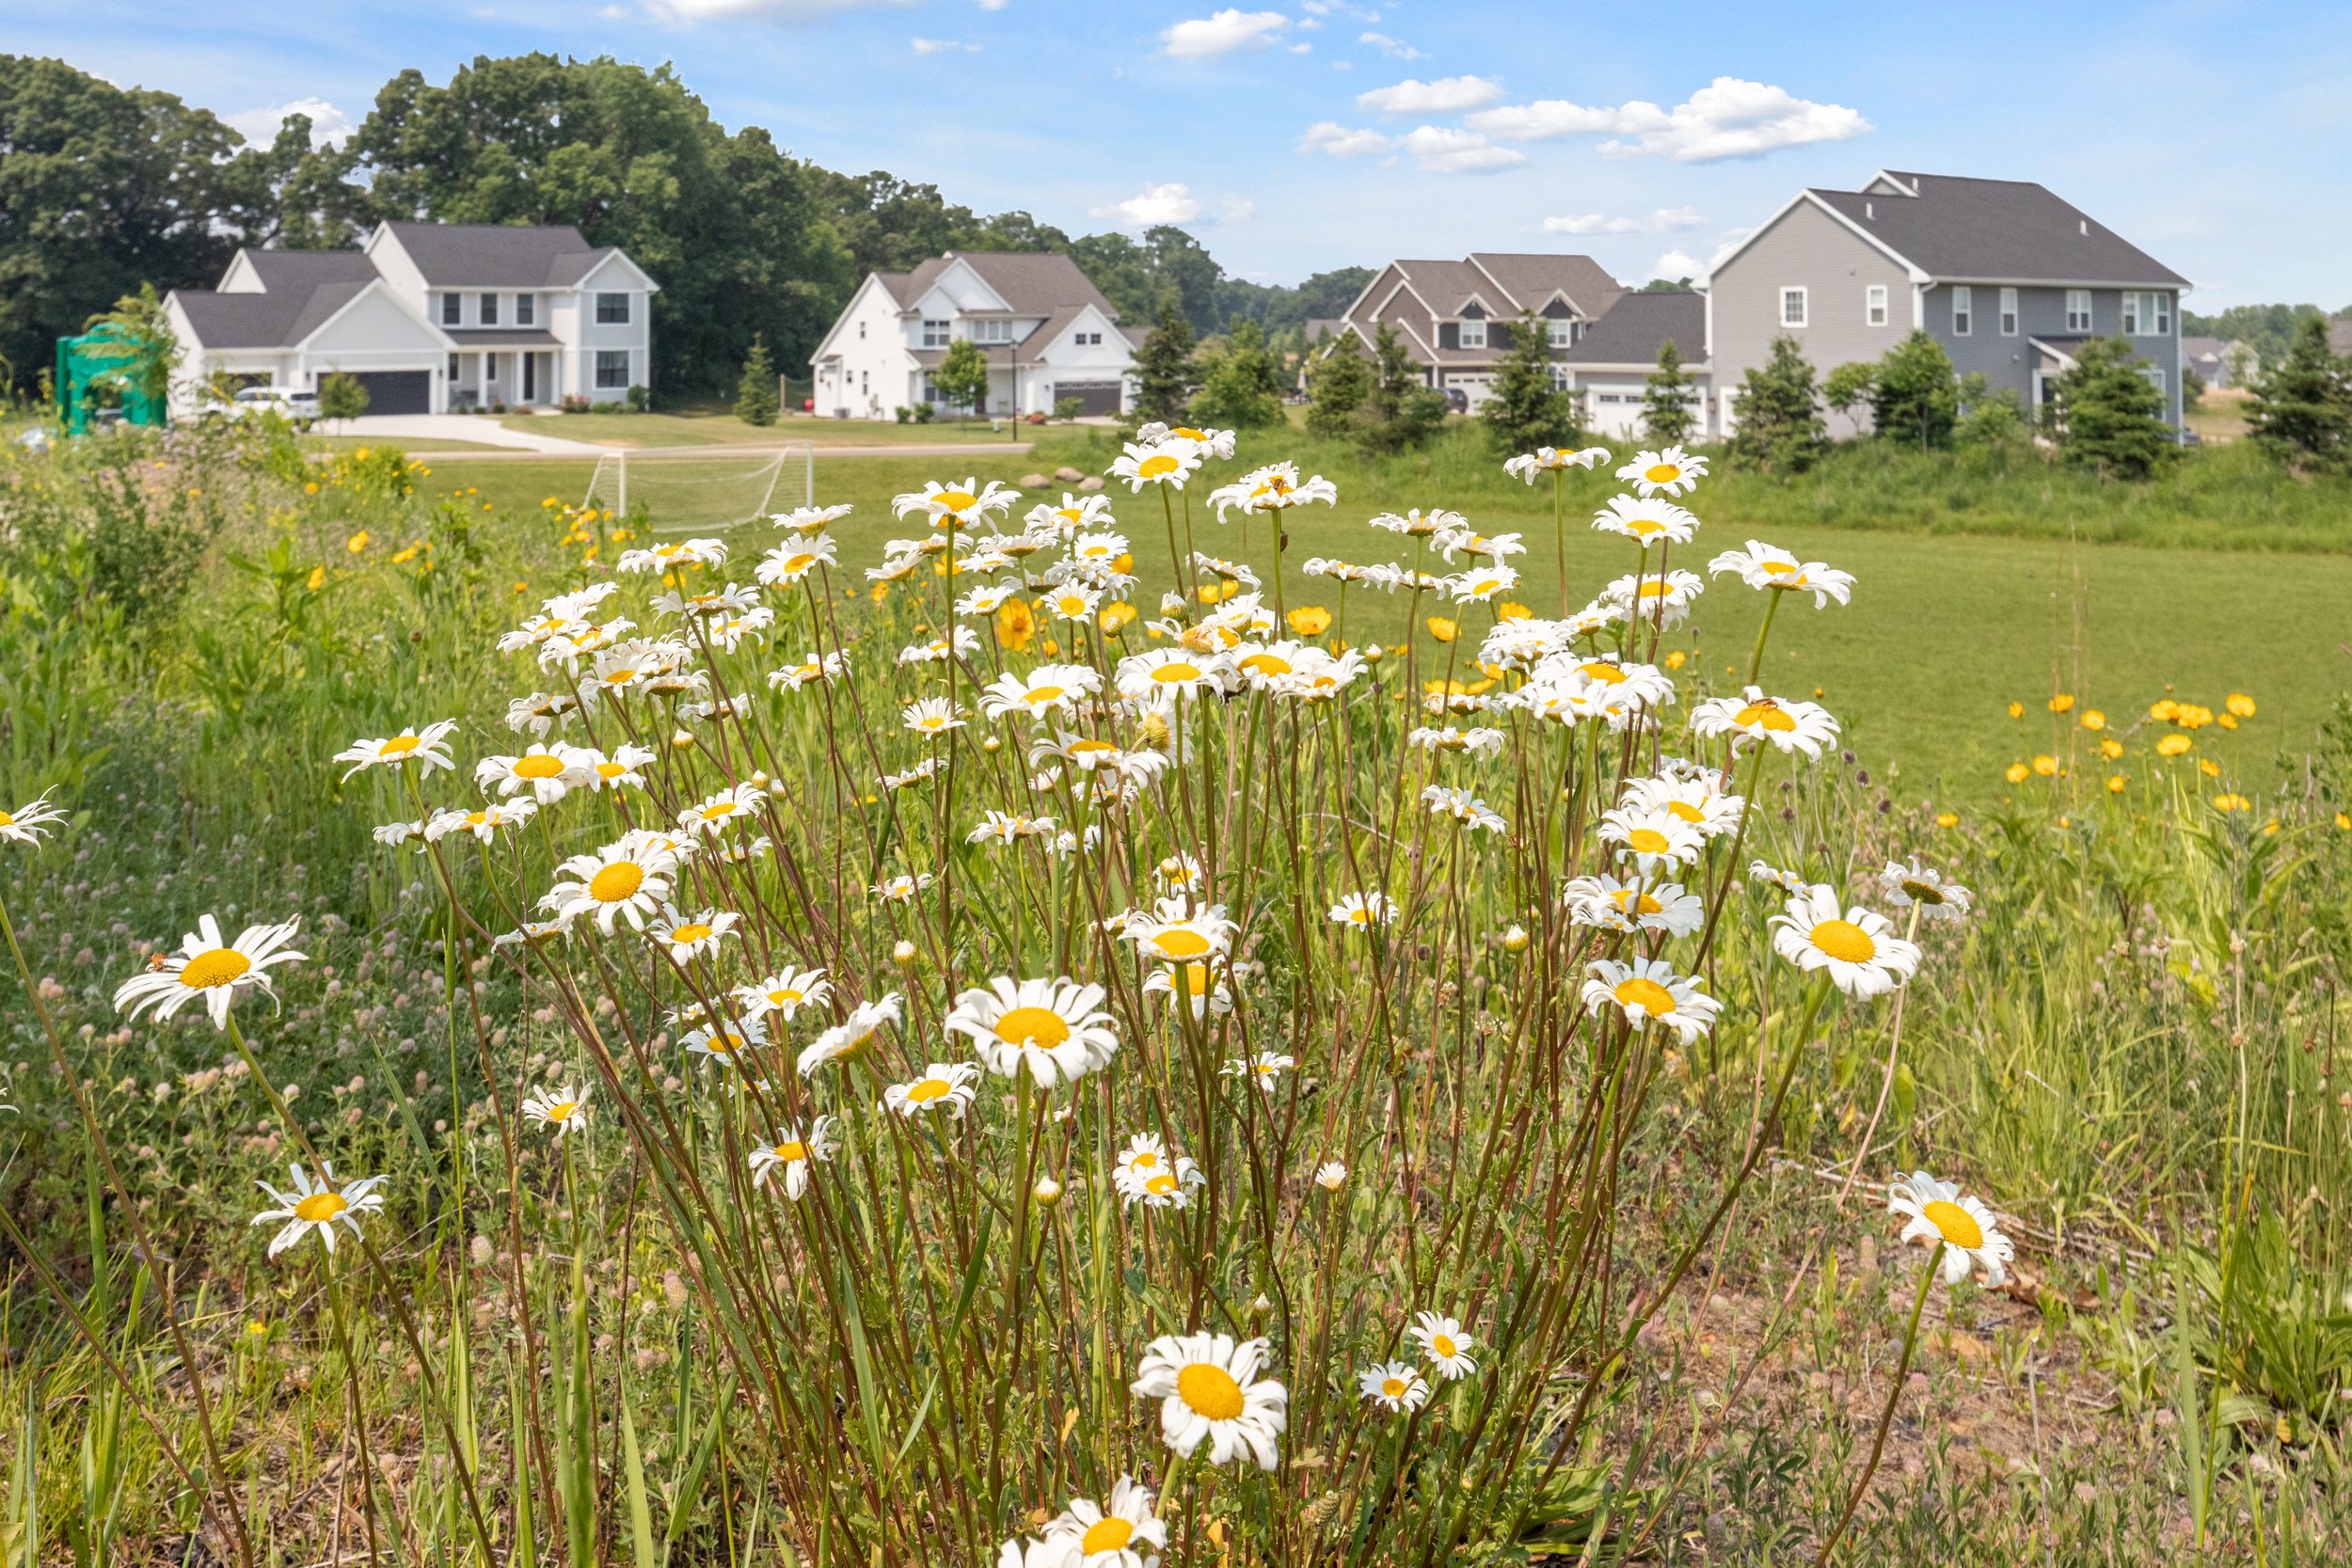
(701, 493)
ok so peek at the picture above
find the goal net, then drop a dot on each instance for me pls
(701, 493)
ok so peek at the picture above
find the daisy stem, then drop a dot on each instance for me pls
(1560, 531)
(1755, 660)
(1886, 1416)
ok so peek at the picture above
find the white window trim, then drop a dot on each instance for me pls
(1469, 323)
(1874, 304)
(1804, 305)
(1963, 310)
(1559, 332)
(2008, 322)
(2072, 295)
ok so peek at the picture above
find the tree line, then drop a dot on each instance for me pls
(108, 189)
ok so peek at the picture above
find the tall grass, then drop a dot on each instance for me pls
(619, 1346)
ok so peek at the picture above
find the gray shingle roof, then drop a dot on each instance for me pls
(1638, 325)
(1997, 230)
(1032, 282)
(498, 255)
(283, 316)
(1530, 277)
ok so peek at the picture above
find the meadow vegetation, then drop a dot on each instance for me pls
(824, 1072)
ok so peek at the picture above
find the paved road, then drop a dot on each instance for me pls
(480, 428)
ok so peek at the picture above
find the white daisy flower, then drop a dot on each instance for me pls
(1445, 1344)
(1011, 827)
(937, 649)
(1463, 807)
(563, 1110)
(1169, 462)
(26, 824)
(549, 772)
(1695, 801)
(809, 519)
(1482, 584)
(1773, 875)
(1070, 602)
(724, 1043)
(1203, 985)
(1649, 992)
(673, 553)
(1055, 1028)
(1481, 742)
(1963, 1227)
(1544, 460)
(730, 807)
(1371, 910)
(931, 716)
(902, 888)
(1049, 689)
(686, 937)
(791, 561)
(540, 712)
(484, 823)
(1665, 597)
(1164, 674)
(1788, 724)
(955, 505)
(1646, 522)
(786, 992)
(1655, 839)
(1266, 1068)
(1395, 1385)
(1760, 565)
(1210, 1393)
(1914, 883)
(1330, 1176)
(949, 1086)
(1671, 472)
(1202, 438)
(1173, 933)
(1858, 948)
(622, 770)
(852, 1035)
(1075, 513)
(426, 748)
(631, 878)
(791, 1157)
(1638, 904)
(211, 969)
(1149, 1175)
(315, 1205)
(1121, 1533)
(809, 671)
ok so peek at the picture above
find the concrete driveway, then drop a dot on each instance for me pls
(481, 429)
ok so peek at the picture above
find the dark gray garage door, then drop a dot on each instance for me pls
(1094, 397)
(398, 391)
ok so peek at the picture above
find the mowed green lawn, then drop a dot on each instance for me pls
(1944, 633)
(717, 428)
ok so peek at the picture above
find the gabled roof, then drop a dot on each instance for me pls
(280, 318)
(499, 255)
(1030, 282)
(307, 269)
(1049, 331)
(1638, 325)
(1533, 277)
(1992, 230)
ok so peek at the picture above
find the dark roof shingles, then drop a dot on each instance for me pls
(1966, 228)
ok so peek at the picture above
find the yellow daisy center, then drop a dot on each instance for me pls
(800, 562)
(1160, 1185)
(1643, 525)
(1765, 715)
(1648, 841)
(1686, 811)
(7, 820)
(693, 930)
(1925, 892)
(220, 967)
(616, 883)
(928, 1090)
(563, 1110)
(791, 1151)
(1105, 1535)
(539, 764)
(1955, 1224)
(1360, 915)
(1777, 568)
(1608, 674)
(1177, 671)
(1156, 466)
(1142, 1159)
(1196, 979)
(784, 997)
(1181, 943)
(321, 1207)
(726, 809)
(1041, 695)
(1039, 1026)
(1648, 995)
(1442, 1346)
(1658, 588)
(954, 501)
(1845, 941)
(399, 746)
(610, 769)
(1267, 664)
(1394, 1387)
(1629, 901)
(1661, 473)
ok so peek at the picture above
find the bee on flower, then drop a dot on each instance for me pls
(1786, 723)
(853, 1036)
(1276, 487)
(1671, 472)
(1395, 1386)
(1962, 1230)
(426, 748)
(1055, 1028)
(1906, 885)
(1763, 566)
(315, 1205)
(949, 1086)
(1649, 992)
(790, 1157)
(210, 970)
(1149, 1175)
(563, 1111)
(1856, 949)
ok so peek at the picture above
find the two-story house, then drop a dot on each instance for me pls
(1611, 363)
(2010, 279)
(1047, 333)
(1456, 318)
(429, 317)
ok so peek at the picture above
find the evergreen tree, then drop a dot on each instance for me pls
(1523, 409)
(756, 400)
(1666, 417)
(1241, 387)
(2301, 410)
(1342, 382)
(1780, 412)
(1914, 395)
(1403, 410)
(2111, 415)
(1164, 369)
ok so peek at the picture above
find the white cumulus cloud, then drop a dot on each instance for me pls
(1172, 203)
(1343, 141)
(1447, 95)
(777, 10)
(1447, 149)
(260, 126)
(941, 46)
(1665, 220)
(1211, 38)
(1676, 263)
(1730, 118)
(1388, 46)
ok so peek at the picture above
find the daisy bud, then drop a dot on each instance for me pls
(681, 739)
(903, 953)
(992, 745)
(1261, 1307)
(1515, 939)
(760, 779)
(1047, 1192)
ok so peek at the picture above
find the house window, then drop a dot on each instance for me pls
(490, 309)
(490, 366)
(612, 309)
(452, 309)
(1473, 333)
(1963, 309)
(1874, 304)
(861, 331)
(2146, 315)
(992, 332)
(2156, 375)
(526, 310)
(612, 366)
(1560, 332)
(934, 334)
(452, 367)
(1560, 375)
(2078, 310)
(2009, 313)
(1793, 306)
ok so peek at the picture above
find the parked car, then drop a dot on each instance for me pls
(300, 409)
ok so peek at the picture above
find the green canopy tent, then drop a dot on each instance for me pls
(106, 356)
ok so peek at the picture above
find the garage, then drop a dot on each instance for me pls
(396, 391)
(1094, 397)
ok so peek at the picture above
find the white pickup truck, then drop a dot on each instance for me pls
(298, 408)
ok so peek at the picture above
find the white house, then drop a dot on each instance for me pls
(1611, 362)
(429, 317)
(1047, 333)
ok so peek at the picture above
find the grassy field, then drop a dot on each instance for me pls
(717, 428)
(1946, 630)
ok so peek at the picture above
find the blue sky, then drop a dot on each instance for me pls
(1294, 135)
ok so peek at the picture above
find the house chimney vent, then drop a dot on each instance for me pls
(2084, 225)
(1871, 210)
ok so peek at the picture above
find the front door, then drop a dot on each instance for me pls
(530, 378)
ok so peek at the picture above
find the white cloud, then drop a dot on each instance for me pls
(991, 5)
(941, 46)
(1730, 118)
(1445, 149)
(613, 13)
(1236, 209)
(1211, 38)
(1172, 203)
(1388, 46)
(1665, 220)
(1447, 95)
(1343, 141)
(1676, 263)
(779, 10)
(260, 126)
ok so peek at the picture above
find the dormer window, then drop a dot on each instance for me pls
(992, 330)
(1560, 332)
(1474, 333)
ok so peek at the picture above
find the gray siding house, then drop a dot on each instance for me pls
(2010, 279)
